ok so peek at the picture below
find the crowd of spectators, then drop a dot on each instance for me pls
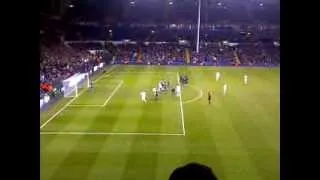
(58, 62)
(162, 53)
(247, 54)
(261, 54)
(87, 46)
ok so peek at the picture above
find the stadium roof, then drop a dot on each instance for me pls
(165, 10)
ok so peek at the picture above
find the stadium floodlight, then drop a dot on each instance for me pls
(132, 2)
(170, 3)
(219, 4)
(261, 4)
(198, 28)
(71, 6)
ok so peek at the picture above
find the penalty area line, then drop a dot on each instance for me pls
(141, 72)
(181, 107)
(113, 92)
(109, 133)
(105, 74)
(85, 105)
(63, 108)
(104, 104)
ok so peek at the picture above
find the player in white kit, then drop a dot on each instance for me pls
(245, 79)
(143, 96)
(178, 90)
(218, 76)
(225, 89)
(154, 90)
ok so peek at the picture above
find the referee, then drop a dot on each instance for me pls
(173, 91)
(209, 97)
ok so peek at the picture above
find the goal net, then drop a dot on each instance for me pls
(74, 84)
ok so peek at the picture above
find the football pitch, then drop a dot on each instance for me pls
(108, 133)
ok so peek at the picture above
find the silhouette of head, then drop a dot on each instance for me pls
(193, 171)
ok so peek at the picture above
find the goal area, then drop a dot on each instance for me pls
(74, 84)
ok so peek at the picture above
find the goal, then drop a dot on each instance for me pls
(74, 84)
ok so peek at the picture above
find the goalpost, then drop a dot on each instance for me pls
(73, 85)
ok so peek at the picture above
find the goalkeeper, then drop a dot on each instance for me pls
(91, 85)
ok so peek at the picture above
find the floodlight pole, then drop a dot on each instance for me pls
(198, 29)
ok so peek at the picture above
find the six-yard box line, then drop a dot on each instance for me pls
(105, 103)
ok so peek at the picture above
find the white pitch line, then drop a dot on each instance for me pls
(181, 108)
(110, 133)
(103, 75)
(113, 92)
(66, 105)
(85, 105)
(63, 108)
(142, 72)
(196, 98)
(95, 105)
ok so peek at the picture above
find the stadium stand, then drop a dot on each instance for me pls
(164, 44)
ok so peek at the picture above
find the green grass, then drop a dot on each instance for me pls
(237, 136)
